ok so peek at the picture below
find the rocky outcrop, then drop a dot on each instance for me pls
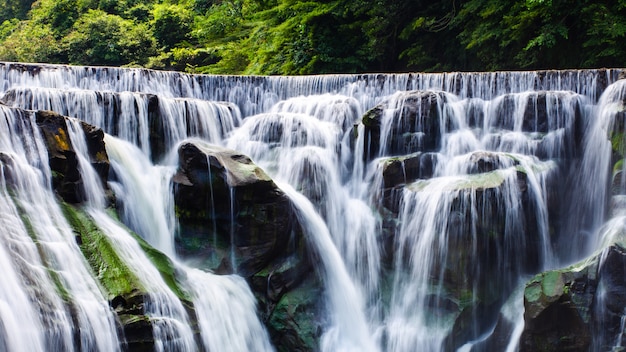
(124, 290)
(579, 308)
(616, 130)
(234, 219)
(408, 168)
(488, 241)
(154, 123)
(537, 110)
(66, 177)
(414, 120)
(484, 251)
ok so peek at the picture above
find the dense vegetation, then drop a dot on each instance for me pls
(316, 36)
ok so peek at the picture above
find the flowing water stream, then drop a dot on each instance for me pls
(479, 201)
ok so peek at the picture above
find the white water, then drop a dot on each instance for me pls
(348, 331)
(224, 305)
(143, 192)
(44, 251)
(226, 311)
(128, 115)
(299, 129)
(144, 195)
(304, 143)
(171, 328)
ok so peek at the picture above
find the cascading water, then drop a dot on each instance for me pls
(429, 200)
(72, 313)
(147, 208)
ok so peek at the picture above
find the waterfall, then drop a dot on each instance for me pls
(425, 204)
(72, 313)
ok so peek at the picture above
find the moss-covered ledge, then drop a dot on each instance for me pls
(578, 308)
(119, 283)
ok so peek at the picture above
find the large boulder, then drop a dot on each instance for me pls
(488, 243)
(413, 120)
(66, 176)
(232, 215)
(579, 308)
(233, 218)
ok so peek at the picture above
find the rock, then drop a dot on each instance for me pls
(473, 321)
(499, 339)
(295, 322)
(557, 310)
(231, 209)
(538, 111)
(408, 168)
(415, 124)
(577, 308)
(485, 161)
(488, 244)
(234, 219)
(7, 165)
(126, 294)
(66, 177)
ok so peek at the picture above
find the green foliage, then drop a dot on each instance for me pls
(7, 27)
(171, 23)
(98, 38)
(28, 41)
(10, 9)
(543, 33)
(60, 15)
(316, 36)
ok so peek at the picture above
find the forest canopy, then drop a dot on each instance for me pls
(288, 37)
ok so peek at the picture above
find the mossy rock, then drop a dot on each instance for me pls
(577, 308)
(124, 290)
(295, 324)
(116, 278)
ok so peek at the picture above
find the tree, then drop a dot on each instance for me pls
(10, 9)
(28, 41)
(98, 38)
(172, 24)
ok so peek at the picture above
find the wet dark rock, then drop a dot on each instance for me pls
(499, 339)
(538, 110)
(66, 178)
(415, 120)
(135, 326)
(234, 219)
(253, 218)
(472, 322)
(579, 308)
(484, 161)
(7, 165)
(295, 322)
(484, 253)
(407, 168)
